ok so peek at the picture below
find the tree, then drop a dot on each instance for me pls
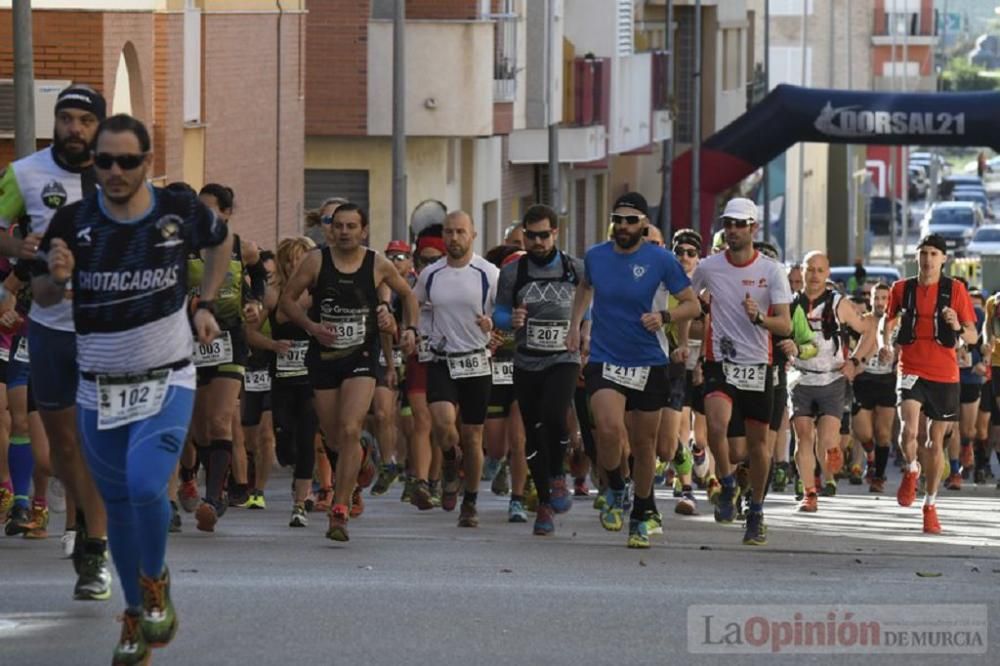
(962, 76)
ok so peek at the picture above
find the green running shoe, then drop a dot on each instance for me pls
(387, 475)
(159, 619)
(654, 522)
(613, 514)
(132, 648)
(638, 534)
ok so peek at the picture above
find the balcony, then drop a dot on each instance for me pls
(505, 56)
(589, 87)
(577, 145)
(911, 26)
(450, 85)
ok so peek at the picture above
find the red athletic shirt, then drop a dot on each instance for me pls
(925, 357)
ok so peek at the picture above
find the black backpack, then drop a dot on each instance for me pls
(944, 334)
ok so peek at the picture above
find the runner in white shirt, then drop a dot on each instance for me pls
(749, 302)
(456, 295)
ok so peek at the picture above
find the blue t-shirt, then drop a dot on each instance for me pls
(627, 286)
(966, 375)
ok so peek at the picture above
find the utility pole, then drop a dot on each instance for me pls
(667, 147)
(399, 223)
(696, 126)
(24, 80)
(891, 189)
(904, 167)
(767, 90)
(852, 191)
(553, 122)
(800, 226)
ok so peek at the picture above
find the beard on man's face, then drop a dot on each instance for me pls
(72, 149)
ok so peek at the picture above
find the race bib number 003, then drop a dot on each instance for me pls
(476, 364)
(124, 399)
(216, 352)
(257, 381)
(631, 378)
(503, 373)
(292, 363)
(350, 330)
(547, 335)
(746, 377)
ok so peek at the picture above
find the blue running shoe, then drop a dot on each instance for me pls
(560, 497)
(516, 512)
(613, 513)
(725, 509)
(638, 533)
(544, 523)
(756, 531)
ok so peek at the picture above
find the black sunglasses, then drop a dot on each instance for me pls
(127, 162)
(398, 256)
(682, 252)
(729, 222)
(537, 235)
(626, 219)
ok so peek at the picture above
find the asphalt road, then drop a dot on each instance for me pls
(411, 587)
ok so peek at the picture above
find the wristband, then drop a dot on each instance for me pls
(759, 319)
(206, 305)
(666, 317)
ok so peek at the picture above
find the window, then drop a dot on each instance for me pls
(192, 63)
(901, 68)
(786, 66)
(626, 28)
(731, 59)
(791, 7)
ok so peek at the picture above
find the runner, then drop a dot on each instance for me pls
(750, 297)
(343, 322)
(972, 373)
(535, 299)
(458, 292)
(821, 354)
(36, 187)
(626, 375)
(933, 314)
(874, 410)
(134, 407)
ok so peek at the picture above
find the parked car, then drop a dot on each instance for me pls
(873, 274)
(977, 197)
(986, 240)
(955, 221)
(879, 215)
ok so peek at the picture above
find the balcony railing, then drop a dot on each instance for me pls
(505, 56)
(661, 96)
(591, 92)
(910, 23)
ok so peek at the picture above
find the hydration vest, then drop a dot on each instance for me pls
(828, 317)
(944, 335)
(522, 278)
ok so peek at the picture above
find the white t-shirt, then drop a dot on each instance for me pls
(452, 298)
(731, 335)
(824, 368)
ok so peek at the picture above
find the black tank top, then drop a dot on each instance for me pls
(347, 301)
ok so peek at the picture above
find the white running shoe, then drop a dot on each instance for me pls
(68, 541)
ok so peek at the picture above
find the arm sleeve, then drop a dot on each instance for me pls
(11, 201)
(505, 286)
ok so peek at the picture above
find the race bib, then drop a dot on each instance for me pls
(476, 364)
(694, 350)
(397, 359)
(746, 377)
(964, 358)
(349, 329)
(503, 373)
(4, 355)
(292, 363)
(874, 367)
(257, 381)
(424, 353)
(124, 399)
(906, 382)
(631, 378)
(21, 354)
(216, 352)
(547, 334)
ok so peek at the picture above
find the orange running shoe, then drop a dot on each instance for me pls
(337, 530)
(908, 488)
(357, 503)
(810, 503)
(931, 524)
(834, 459)
(206, 516)
(954, 482)
(187, 495)
(324, 500)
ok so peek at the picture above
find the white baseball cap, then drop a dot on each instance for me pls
(741, 209)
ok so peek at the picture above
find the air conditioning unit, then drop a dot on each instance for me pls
(46, 93)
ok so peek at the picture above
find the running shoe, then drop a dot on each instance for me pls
(800, 490)
(544, 522)
(966, 457)
(501, 481)
(516, 512)
(491, 467)
(829, 489)
(421, 495)
(834, 459)
(660, 475)
(299, 518)
(159, 619)
(57, 496)
(337, 530)
(580, 488)
(954, 482)
(132, 648)
(931, 524)
(530, 495)
(324, 499)
(468, 516)
(613, 513)
(877, 485)
(207, 515)
(856, 476)
(756, 530)
(17, 521)
(258, 503)
(387, 475)
(561, 500)
(712, 489)
(700, 460)
(239, 497)
(780, 481)
(79, 542)
(6, 501)
(175, 518)
(638, 533)
(407, 494)
(68, 542)
(654, 522)
(37, 526)
(437, 495)
(368, 470)
(678, 487)
(187, 494)
(310, 501)
(450, 484)
(907, 492)
(94, 581)
(600, 501)
(686, 505)
(810, 503)
(627, 500)
(725, 508)
(979, 476)
(357, 503)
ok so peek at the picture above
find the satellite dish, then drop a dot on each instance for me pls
(428, 213)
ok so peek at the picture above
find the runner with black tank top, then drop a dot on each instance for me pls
(343, 321)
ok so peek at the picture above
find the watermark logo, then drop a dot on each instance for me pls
(952, 629)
